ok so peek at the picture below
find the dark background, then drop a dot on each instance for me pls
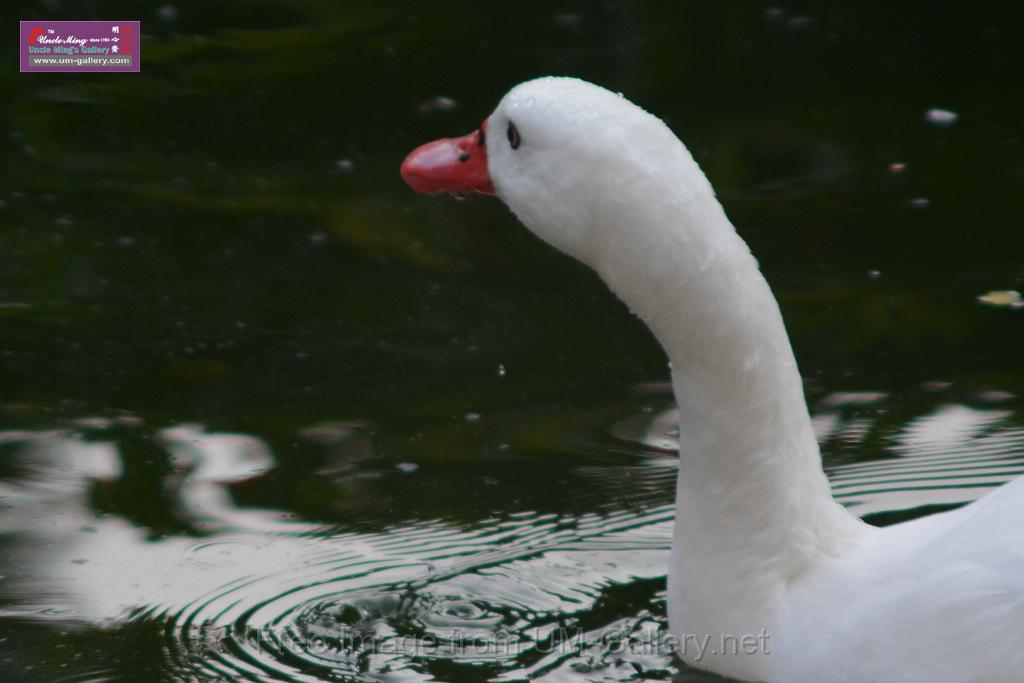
(184, 241)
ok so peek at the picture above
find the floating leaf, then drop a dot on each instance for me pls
(1008, 298)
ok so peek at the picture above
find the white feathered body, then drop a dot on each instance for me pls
(760, 546)
(940, 598)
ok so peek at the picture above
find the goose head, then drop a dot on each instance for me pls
(579, 165)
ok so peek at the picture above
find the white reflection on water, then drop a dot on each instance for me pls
(215, 461)
(951, 455)
(272, 579)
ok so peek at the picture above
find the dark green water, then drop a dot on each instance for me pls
(265, 414)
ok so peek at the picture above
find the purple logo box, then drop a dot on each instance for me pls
(80, 46)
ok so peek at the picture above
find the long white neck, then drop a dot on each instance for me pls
(754, 508)
(612, 186)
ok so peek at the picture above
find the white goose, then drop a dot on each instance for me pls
(762, 555)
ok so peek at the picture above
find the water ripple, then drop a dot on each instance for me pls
(247, 593)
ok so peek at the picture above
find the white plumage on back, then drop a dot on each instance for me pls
(760, 546)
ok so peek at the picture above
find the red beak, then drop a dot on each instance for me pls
(457, 165)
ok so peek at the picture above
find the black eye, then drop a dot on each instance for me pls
(513, 135)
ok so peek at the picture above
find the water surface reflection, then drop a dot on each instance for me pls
(247, 591)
